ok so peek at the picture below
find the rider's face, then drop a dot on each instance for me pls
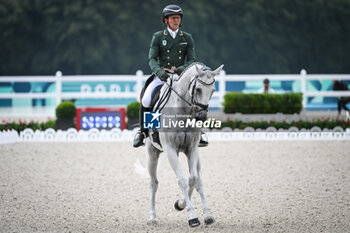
(174, 22)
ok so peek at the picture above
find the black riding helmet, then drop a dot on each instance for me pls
(172, 10)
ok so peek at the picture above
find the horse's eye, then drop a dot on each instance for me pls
(198, 90)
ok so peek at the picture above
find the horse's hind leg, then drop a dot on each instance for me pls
(208, 218)
(152, 162)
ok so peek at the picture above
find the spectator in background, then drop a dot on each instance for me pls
(266, 88)
(342, 101)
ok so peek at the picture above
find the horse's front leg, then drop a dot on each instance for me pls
(175, 164)
(193, 158)
(195, 181)
(152, 162)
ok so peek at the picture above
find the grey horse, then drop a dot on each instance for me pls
(189, 93)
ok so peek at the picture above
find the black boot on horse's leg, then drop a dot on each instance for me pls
(141, 134)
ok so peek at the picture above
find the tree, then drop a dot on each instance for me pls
(112, 37)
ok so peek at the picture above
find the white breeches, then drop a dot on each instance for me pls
(147, 96)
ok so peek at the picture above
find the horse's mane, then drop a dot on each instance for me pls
(188, 68)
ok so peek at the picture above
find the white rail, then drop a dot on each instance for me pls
(115, 135)
(139, 78)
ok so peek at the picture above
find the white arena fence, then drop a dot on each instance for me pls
(226, 134)
(134, 90)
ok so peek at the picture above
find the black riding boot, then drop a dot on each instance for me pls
(203, 142)
(141, 134)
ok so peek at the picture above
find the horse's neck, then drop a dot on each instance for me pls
(181, 87)
(183, 83)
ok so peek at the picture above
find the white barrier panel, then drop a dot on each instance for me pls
(10, 136)
(115, 91)
(114, 135)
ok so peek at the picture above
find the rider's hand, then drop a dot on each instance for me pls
(179, 70)
(163, 76)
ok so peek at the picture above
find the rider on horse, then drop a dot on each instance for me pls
(171, 51)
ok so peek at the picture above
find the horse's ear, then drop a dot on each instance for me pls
(199, 71)
(218, 70)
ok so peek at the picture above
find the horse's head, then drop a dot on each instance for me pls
(201, 90)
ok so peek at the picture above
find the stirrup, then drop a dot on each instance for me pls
(203, 142)
(138, 139)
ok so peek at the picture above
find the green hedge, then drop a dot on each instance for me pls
(66, 110)
(285, 125)
(31, 125)
(133, 109)
(288, 103)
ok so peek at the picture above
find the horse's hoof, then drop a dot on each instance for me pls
(209, 220)
(177, 207)
(194, 222)
(152, 222)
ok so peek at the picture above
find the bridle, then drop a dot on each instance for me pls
(202, 107)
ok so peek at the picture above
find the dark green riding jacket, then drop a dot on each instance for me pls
(166, 52)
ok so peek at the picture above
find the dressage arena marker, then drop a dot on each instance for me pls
(115, 135)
